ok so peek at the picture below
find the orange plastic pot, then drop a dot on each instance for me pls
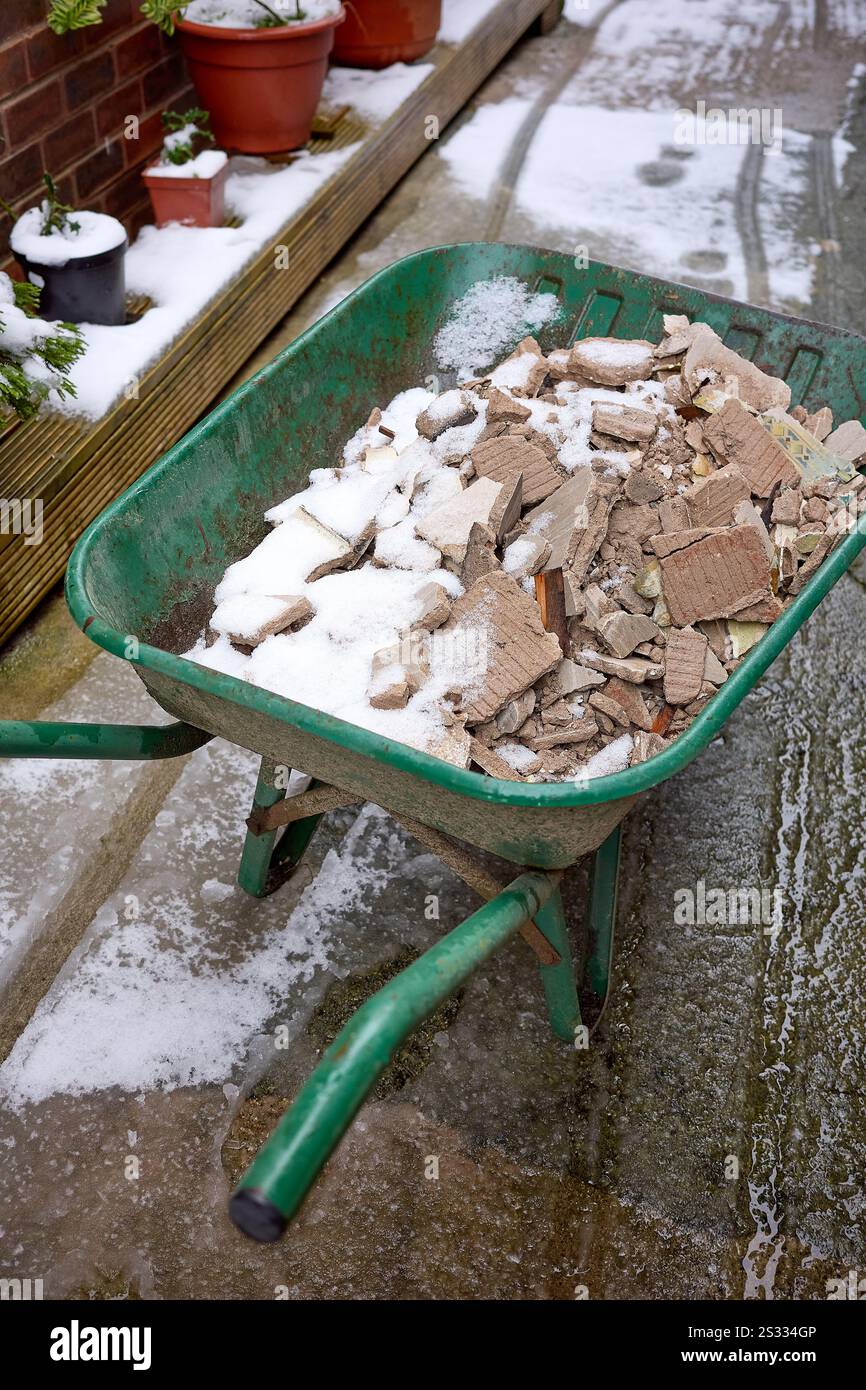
(379, 32)
(194, 202)
(261, 86)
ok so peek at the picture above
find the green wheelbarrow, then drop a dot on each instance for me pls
(140, 584)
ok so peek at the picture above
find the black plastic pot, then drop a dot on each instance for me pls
(87, 289)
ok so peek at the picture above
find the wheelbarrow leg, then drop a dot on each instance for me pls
(266, 864)
(560, 987)
(602, 918)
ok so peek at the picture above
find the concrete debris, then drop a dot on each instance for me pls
(248, 625)
(448, 411)
(502, 408)
(524, 371)
(505, 512)
(448, 527)
(574, 520)
(515, 714)
(635, 669)
(625, 422)
(435, 606)
(490, 762)
(581, 545)
(612, 361)
(630, 698)
(622, 632)
(708, 360)
(480, 557)
(848, 441)
(580, 731)
(711, 500)
(642, 487)
(646, 745)
(525, 556)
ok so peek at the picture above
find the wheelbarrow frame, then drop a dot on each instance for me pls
(149, 564)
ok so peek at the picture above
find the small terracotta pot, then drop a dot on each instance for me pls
(261, 86)
(379, 32)
(194, 202)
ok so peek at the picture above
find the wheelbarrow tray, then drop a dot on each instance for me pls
(141, 579)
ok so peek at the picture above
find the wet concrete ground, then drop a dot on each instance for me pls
(711, 1143)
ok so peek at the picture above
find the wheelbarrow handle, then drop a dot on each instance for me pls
(285, 1168)
(20, 738)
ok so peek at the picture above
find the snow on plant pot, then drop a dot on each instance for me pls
(35, 356)
(259, 68)
(379, 32)
(187, 184)
(75, 259)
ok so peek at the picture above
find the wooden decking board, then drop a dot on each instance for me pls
(78, 468)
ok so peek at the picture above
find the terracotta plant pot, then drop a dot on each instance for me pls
(379, 32)
(195, 202)
(261, 86)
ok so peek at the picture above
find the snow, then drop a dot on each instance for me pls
(181, 269)
(460, 17)
(517, 553)
(159, 995)
(205, 166)
(375, 95)
(97, 233)
(245, 14)
(476, 152)
(613, 758)
(516, 755)
(492, 316)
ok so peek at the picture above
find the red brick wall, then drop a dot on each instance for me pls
(63, 99)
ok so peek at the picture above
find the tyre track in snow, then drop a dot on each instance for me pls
(510, 172)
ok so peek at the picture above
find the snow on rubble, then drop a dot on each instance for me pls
(569, 553)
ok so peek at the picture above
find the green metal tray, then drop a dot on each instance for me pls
(147, 567)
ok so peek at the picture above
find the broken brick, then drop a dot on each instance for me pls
(715, 577)
(504, 459)
(685, 657)
(737, 437)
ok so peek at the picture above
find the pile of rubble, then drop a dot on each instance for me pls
(580, 548)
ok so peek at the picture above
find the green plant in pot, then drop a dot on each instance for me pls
(258, 65)
(187, 183)
(76, 259)
(35, 357)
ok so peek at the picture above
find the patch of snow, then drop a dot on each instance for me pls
(374, 95)
(97, 233)
(491, 317)
(613, 758)
(160, 994)
(205, 166)
(476, 151)
(181, 269)
(460, 17)
(245, 14)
